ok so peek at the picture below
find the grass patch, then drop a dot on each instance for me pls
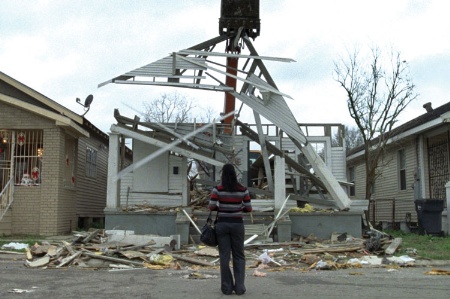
(426, 246)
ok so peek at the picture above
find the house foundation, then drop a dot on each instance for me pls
(321, 225)
(157, 223)
(284, 229)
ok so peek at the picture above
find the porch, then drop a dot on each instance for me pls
(283, 226)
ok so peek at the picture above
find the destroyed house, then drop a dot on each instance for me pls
(53, 164)
(295, 167)
(152, 193)
(414, 166)
(164, 180)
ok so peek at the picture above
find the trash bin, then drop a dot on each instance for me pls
(429, 215)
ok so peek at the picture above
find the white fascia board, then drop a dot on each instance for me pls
(174, 84)
(41, 98)
(260, 87)
(161, 144)
(60, 120)
(205, 53)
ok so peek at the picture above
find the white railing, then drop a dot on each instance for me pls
(6, 198)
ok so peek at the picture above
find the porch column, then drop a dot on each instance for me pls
(112, 191)
(280, 183)
(284, 224)
(447, 193)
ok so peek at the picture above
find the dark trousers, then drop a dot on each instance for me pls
(230, 237)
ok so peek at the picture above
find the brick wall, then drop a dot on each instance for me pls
(50, 208)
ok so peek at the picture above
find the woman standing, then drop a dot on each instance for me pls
(231, 199)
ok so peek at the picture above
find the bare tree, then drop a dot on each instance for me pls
(353, 137)
(175, 107)
(172, 107)
(207, 115)
(377, 92)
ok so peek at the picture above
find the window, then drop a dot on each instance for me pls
(402, 169)
(319, 147)
(351, 178)
(27, 157)
(91, 162)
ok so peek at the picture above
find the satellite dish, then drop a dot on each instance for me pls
(88, 101)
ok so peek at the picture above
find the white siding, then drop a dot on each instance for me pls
(175, 180)
(91, 191)
(152, 176)
(126, 186)
(338, 163)
(387, 188)
(360, 182)
(387, 185)
(129, 196)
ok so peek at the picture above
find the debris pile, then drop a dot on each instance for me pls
(96, 249)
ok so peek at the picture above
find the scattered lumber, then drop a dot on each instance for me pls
(327, 250)
(43, 261)
(112, 259)
(90, 236)
(69, 259)
(393, 246)
(95, 249)
(192, 261)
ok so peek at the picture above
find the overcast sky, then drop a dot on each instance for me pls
(64, 49)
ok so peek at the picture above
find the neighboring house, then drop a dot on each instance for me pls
(415, 165)
(53, 164)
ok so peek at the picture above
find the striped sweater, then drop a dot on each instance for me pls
(230, 204)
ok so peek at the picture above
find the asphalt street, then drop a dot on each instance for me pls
(18, 281)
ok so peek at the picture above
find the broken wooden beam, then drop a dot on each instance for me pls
(322, 250)
(113, 259)
(89, 237)
(393, 246)
(149, 243)
(69, 259)
(69, 248)
(192, 261)
(192, 221)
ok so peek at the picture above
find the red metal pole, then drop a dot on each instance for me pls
(230, 101)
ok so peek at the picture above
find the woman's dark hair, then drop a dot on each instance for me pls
(229, 178)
